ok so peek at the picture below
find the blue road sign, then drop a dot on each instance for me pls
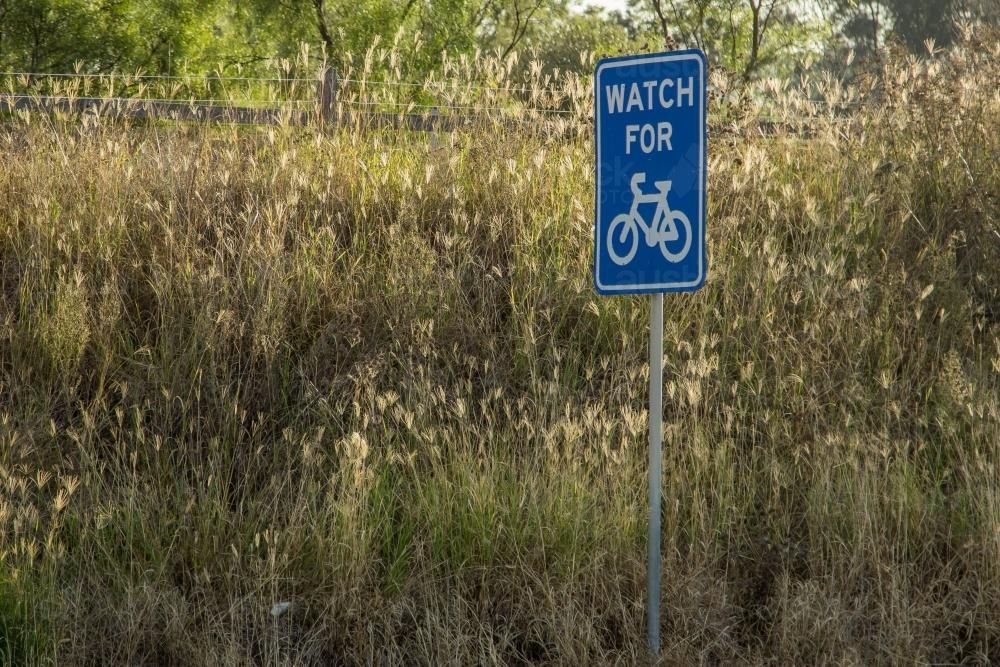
(649, 133)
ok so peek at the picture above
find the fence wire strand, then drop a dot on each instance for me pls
(430, 83)
(356, 94)
(151, 77)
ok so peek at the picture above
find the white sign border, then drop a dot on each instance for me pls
(645, 288)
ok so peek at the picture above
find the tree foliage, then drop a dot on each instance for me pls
(105, 35)
(750, 38)
(866, 25)
(746, 37)
(420, 30)
(571, 41)
(176, 36)
(39, 35)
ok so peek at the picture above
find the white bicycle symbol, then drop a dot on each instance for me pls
(663, 230)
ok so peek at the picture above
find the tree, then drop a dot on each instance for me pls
(978, 11)
(502, 24)
(350, 27)
(101, 35)
(916, 21)
(561, 41)
(172, 35)
(746, 37)
(53, 35)
(430, 28)
(867, 23)
(863, 24)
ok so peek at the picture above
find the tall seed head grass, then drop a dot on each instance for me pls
(363, 370)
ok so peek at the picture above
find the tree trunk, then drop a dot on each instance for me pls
(324, 31)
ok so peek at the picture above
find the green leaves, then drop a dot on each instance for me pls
(749, 38)
(111, 35)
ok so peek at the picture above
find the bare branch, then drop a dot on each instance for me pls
(521, 21)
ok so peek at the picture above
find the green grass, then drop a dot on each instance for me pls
(21, 639)
(365, 372)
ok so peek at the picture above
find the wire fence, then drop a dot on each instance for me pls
(326, 99)
(323, 99)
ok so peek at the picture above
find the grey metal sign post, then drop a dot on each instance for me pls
(655, 470)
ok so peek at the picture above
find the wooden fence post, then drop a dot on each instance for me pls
(327, 95)
(214, 85)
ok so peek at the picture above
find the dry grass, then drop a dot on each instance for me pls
(365, 373)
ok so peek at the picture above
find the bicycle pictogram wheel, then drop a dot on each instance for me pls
(629, 231)
(683, 230)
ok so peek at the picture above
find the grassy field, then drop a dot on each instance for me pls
(365, 373)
